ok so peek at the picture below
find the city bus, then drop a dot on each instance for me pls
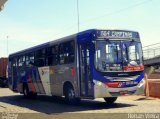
(87, 65)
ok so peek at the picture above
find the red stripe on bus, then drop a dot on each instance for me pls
(31, 85)
(112, 84)
(133, 68)
(72, 71)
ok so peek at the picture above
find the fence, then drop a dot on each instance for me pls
(151, 51)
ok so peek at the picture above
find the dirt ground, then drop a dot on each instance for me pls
(15, 103)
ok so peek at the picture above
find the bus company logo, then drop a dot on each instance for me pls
(44, 71)
(121, 84)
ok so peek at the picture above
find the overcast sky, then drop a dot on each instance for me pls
(26, 23)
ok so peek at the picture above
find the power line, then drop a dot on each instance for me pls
(118, 11)
(99, 17)
(65, 29)
(72, 26)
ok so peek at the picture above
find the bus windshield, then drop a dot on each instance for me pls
(118, 55)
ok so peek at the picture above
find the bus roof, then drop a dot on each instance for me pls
(37, 47)
(83, 36)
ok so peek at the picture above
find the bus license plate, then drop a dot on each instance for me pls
(123, 92)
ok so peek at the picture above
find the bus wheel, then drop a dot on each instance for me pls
(70, 95)
(28, 94)
(110, 100)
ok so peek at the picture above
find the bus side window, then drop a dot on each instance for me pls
(49, 56)
(61, 53)
(40, 58)
(55, 55)
(52, 55)
(29, 59)
(21, 61)
(67, 52)
(14, 66)
(71, 51)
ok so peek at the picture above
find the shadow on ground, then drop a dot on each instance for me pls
(144, 98)
(51, 105)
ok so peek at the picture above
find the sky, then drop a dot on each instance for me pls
(26, 23)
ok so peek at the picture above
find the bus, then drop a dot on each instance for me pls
(87, 65)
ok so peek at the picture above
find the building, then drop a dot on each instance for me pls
(2, 2)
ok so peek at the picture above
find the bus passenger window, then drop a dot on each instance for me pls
(21, 61)
(71, 51)
(49, 56)
(14, 66)
(61, 55)
(67, 52)
(52, 56)
(50, 60)
(40, 58)
(29, 59)
(14, 63)
(40, 62)
(55, 55)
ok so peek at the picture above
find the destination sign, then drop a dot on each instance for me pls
(117, 34)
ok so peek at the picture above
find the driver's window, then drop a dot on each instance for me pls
(132, 53)
(107, 50)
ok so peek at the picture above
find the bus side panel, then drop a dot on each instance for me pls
(34, 80)
(29, 76)
(59, 75)
(45, 79)
(38, 81)
(56, 78)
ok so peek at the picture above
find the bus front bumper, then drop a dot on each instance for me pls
(101, 90)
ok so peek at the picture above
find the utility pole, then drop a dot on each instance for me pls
(7, 46)
(78, 15)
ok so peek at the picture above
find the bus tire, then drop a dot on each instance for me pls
(28, 94)
(70, 95)
(110, 100)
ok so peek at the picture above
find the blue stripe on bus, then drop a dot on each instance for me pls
(86, 36)
(139, 78)
(97, 76)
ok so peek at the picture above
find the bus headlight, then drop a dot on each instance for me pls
(142, 82)
(98, 83)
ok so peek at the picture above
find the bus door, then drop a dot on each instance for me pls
(85, 78)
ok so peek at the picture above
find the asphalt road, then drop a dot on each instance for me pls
(15, 103)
